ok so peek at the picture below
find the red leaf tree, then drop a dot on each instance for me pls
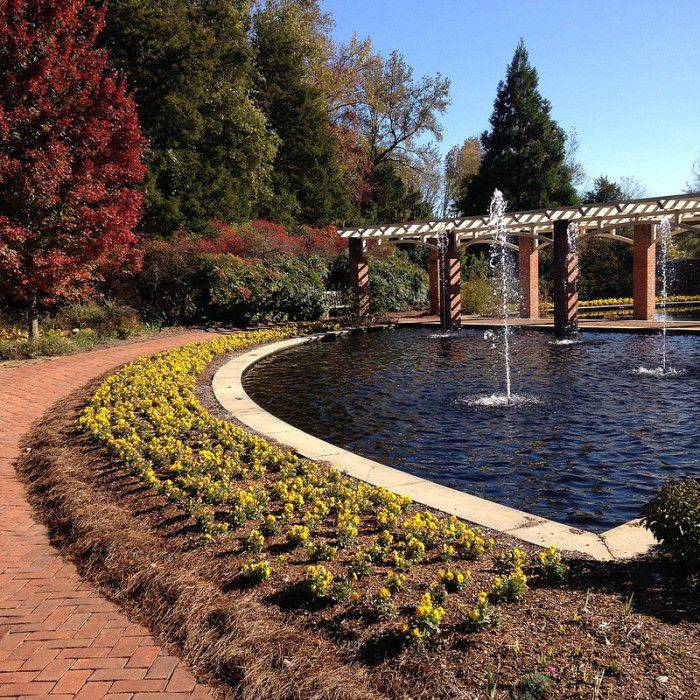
(70, 154)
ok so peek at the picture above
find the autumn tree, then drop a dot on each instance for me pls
(70, 154)
(461, 164)
(524, 151)
(191, 65)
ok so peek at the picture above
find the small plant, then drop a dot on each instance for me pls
(254, 541)
(382, 606)
(627, 610)
(346, 529)
(399, 561)
(507, 589)
(321, 551)
(470, 544)
(426, 621)
(361, 565)
(318, 581)
(510, 560)
(414, 549)
(395, 582)
(342, 590)
(533, 686)
(673, 516)
(254, 572)
(483, 614)
(297, 535)
(550, 565)
(270, 526)
(454, 580)
(447, 553)
(385, 540)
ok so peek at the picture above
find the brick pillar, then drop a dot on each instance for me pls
(451, 306)
(565, 274)
(434, 277)
(644, 273)
(359, 275)
(529, 279)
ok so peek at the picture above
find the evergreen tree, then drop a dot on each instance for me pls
(210, 151)
(604, 191)
(309, 183)
(524, 152)
(391, 200)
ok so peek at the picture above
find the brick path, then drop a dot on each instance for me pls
(58, 637)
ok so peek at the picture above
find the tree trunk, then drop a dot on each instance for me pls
(33, 316)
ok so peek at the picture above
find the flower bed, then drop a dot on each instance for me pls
(235, 484)
(266, 570)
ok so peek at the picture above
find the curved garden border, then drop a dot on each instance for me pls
(622, 542)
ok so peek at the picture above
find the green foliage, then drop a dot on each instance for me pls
(73, 328)
(190, 65)
(396, 284)
(308, 183)
(107, 318)
(533, 686)
(604, 191)
(177, 285)
(523, 154)
(390, 199)
(673, 516)
(605, 269)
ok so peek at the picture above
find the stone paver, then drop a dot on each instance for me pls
(58, 637)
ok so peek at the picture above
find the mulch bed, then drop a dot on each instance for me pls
(270, 642)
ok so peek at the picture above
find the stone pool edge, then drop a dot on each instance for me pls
(622, 542)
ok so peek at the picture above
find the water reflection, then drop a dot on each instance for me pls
(589, 452)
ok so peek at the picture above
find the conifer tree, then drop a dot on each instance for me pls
(309, 183)
(210, 150)
(524, 152)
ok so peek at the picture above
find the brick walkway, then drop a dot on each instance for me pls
(58, 637)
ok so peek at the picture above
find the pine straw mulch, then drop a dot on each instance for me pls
(269, 642)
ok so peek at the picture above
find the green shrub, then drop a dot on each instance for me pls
(107, 318)
(180, 285)
(173, 285)
(673, 516)
(396, 284)
(477, 297)
(244, 291)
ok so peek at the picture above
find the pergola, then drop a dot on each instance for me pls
(533, 231)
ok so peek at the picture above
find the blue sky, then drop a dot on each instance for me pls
(623, 73)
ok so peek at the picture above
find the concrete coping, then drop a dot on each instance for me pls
(625, 541)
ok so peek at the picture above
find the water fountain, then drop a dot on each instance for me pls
(664, 232)
(499, 258)
(505, 291)
(665, 236)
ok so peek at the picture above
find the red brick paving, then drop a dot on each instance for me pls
(58, 637)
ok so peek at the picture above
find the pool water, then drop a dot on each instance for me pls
(589, 448)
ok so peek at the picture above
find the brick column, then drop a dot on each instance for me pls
(565, 274)
(644, 273)
(529, 278)
(451, 306)
(434, 277)
(359, 275)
